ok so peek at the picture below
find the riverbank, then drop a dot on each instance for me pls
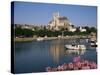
(31, 39)
(23, 39)
(47, 38)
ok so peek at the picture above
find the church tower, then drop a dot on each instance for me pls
(55, 18)
(55, 15)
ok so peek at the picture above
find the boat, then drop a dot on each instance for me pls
(40, 39)
(75, 47)
(93, 43)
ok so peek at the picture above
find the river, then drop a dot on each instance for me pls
(35, 56)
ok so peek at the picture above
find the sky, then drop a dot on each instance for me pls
(42, 13)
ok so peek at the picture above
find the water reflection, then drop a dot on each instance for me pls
(78, 52)
(56, 50)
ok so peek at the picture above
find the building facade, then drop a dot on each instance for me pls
(58, 22)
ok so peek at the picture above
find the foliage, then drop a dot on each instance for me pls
(23, 32)
(50, 33)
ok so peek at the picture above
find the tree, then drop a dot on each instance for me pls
(93, 29)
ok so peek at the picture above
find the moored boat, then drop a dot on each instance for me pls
(40, 39)
(93, 43)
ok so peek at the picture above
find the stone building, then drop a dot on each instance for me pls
(58, 22)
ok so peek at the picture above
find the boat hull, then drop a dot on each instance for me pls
(78, 47)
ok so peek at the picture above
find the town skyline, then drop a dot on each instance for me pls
(38, 13)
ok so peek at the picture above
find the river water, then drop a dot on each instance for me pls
(35, 56)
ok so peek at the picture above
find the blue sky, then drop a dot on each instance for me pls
(40, 13)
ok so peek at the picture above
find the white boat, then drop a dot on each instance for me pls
(40, 39)
(75, 47)
(93, 43)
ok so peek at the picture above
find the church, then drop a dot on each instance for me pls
(59, 22)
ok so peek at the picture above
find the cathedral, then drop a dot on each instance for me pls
(59, 22)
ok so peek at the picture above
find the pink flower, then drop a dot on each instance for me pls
(76, 59)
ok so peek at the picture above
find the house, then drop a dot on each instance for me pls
(82, 29)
